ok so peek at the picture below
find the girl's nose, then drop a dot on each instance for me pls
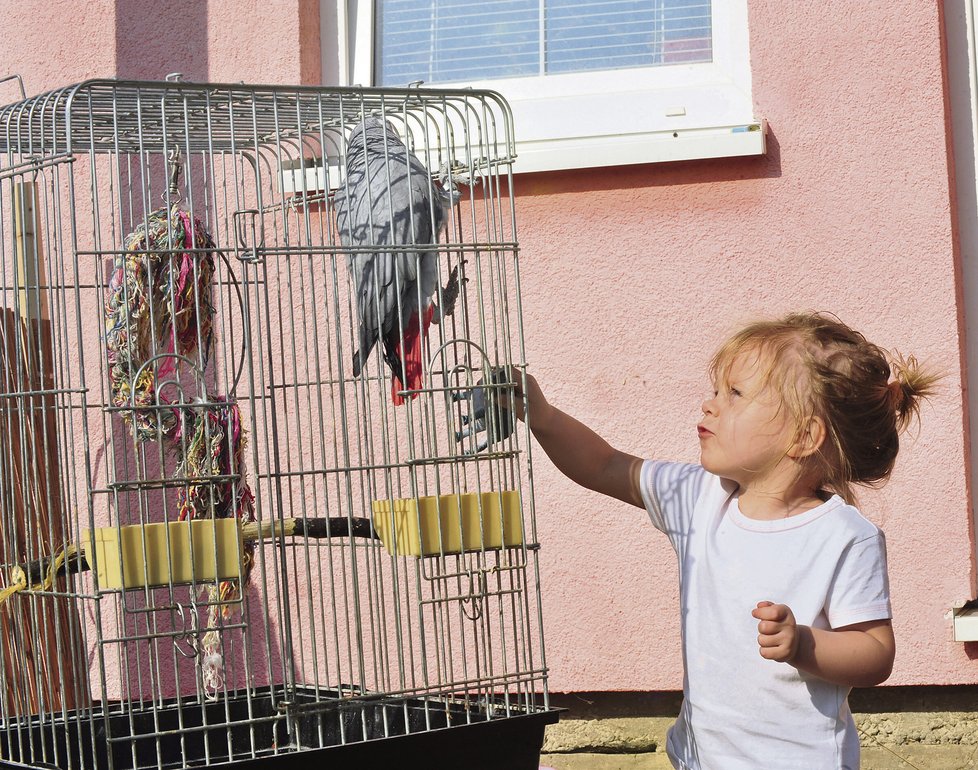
(707, 405)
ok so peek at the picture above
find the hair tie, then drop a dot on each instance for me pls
(895, 388)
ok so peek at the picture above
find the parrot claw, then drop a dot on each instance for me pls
(481, 447)
(450, 175)
(472, 428)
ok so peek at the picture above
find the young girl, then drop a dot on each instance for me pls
(783, 588)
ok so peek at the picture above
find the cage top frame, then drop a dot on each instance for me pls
(118, 116)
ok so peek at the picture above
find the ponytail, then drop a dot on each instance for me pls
(910, 384)
(867, 398)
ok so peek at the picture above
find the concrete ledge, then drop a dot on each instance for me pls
(654, 761)
(634, 735)
(638, 735)
(900, 728)
(929, 728)
(922, 757)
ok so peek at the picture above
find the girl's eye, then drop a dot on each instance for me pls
(734, 392)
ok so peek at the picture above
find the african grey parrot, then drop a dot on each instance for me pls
(487, 412)
(390, 199)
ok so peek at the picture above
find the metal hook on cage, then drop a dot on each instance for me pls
(475, 598)
(174, 164)
(192, 636)
(35, 161)
(248, 250)
(233, 281)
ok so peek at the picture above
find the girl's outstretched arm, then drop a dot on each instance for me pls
(860, 655)
(577, 451)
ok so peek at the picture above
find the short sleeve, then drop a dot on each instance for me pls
(860, 589)
(670, 492)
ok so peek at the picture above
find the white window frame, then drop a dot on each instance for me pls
(606, 118)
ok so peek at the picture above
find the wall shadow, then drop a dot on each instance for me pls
(644, 175)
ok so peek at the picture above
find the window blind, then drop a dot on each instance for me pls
(444, 41)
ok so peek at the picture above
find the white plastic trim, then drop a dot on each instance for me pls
(650, 147)
(965, 623)
(591, 119)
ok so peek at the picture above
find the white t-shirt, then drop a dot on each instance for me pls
(741, 711)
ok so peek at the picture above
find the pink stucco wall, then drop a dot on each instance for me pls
(272, 41)
(632, 275)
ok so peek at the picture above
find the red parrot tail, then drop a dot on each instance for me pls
(409, 351)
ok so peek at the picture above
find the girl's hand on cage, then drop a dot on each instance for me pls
(533, 396)
(777, 631)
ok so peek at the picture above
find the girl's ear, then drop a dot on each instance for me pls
(809, 438)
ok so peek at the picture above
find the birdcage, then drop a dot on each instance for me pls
(261, 488)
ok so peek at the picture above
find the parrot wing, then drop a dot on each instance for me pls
(387, 200)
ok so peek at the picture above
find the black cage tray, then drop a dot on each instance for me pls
(267, 731)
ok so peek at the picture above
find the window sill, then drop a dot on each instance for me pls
(644, 147)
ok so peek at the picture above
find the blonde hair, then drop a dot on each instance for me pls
(823, 368)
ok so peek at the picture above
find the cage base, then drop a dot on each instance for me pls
(260, 731)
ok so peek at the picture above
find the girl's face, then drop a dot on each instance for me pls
(746, 430)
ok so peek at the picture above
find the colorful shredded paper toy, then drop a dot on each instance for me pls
(212, 444)
(159, 308)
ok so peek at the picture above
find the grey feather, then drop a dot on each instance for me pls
(387, 199)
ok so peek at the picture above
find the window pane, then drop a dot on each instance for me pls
(441, 41)
(625, 33)
(450, 40)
